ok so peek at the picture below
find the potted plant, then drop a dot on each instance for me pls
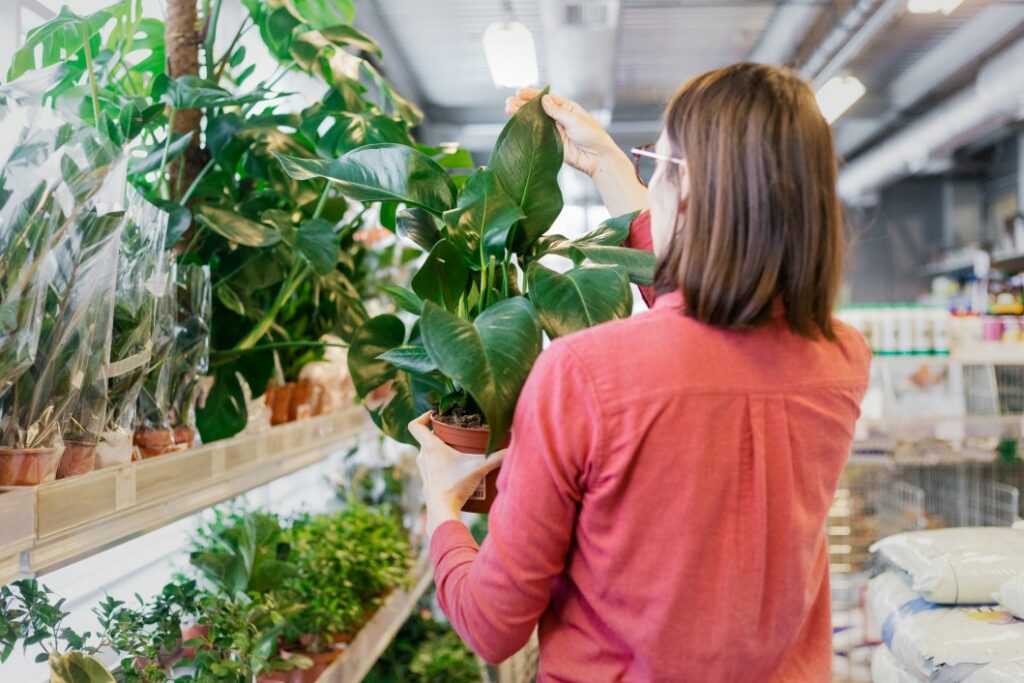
(153, 434)
(481, 298)
(32, 615)
(140, 283)
(191, 352)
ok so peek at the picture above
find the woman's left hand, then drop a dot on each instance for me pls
(449, 477)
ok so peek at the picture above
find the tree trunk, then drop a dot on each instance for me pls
(182, 37)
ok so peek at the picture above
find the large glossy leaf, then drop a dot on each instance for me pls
(317, 240)
(578, 299)
(411, 359)
(385, 389)
(77, 667)
(236, 228)
(322, 14)
(480, 224)
(637, 263)
(526, 161)
(153, 160)
(611, 233)
(192, 92)
(406, 300)
(223, 414)
(56, 40)
(382, 172)
(276, 29)
(490, 357)
(443, 276)
(419, 226)
(349, 36)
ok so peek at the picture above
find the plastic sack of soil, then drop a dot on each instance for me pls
(885, 668)
(190, 359)
(959, 566)
(141, 284)
(63, 392)
(1003, 672)
(940, 643)
(153, 433)
(1011, 596)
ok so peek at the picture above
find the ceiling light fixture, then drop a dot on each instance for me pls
(511, 54)
(932, 6)
(838, 95)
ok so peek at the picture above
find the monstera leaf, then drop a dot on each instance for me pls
(580, 298)
(480, 224)
(526, 161)
(385, 389)
(384, 172)
(490, 358)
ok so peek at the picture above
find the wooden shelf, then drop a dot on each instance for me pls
(81, 516)
(17, 533)
(371, 641)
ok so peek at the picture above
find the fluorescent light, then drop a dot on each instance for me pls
(838, 95)
(511, 54)
(932, 6)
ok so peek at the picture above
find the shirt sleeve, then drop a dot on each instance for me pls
(640, 238)
(494, 595)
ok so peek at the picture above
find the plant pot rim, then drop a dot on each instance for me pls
(434, 415)
(26, 451)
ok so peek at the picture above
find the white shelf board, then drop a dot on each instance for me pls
(371, 641)
(81, 516)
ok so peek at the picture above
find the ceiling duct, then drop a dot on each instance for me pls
(994, 99)
(787, 28)
(839, 37)
(580, 39)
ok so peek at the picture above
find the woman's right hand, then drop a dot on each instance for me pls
(590, 149)
(587, 145)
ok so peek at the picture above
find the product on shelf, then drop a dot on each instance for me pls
(900, 329)
(958, 565)
(1011, 595)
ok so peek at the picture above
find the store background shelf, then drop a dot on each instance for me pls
(78, 517)
(371, 641)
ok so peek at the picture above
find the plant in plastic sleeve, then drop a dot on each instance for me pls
(153, 434)
(191, 356)
(78, 273)
(141, 282)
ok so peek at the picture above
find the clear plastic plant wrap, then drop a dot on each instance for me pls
(153, 434)
(141, 283)
(58, 393)
(190, 359)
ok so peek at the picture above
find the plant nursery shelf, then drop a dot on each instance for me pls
(371, 641)
(81, 516)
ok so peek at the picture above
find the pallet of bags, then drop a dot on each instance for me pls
(885, 668)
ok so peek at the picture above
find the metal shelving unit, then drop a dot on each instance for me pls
(71, 519)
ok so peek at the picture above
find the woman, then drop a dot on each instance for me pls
(661, 509)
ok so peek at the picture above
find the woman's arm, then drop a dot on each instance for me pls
(494, 595)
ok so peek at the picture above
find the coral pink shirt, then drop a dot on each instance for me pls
(661, 512)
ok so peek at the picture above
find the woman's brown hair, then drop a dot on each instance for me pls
(763, 221)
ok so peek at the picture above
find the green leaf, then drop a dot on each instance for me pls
(385, 389)
(526, 161)
(485, 213)
(179, 219)
(56, 40)
(382, 172)
(276, 29)
(611, 233)
(236, 228)
(411, 359)
(490, 358)
(317, 240)
(230, 299)
(192, 92)
(152, 161)
(578, 299)
(224, 414)
(349, 36)
(638, 264)
(443, 276)
(322, 13)
(419, 226)
(406, 300)
(77, 667)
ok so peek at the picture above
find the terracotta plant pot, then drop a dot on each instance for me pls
(79, 457)
(472, 440)
(275, 677)
(184, 436)
(281, 403)
(321, 660)
(154, 442)
(28, 466)
(300, 406)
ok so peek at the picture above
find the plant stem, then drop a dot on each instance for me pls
(323, 201)
(291, 284)
(210, 37)
(195, 183)
(167, 146)
(277, 345)
(226, 57)
(93, 88)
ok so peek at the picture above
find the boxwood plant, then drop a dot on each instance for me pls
(482, 296)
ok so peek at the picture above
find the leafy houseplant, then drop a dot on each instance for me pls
(482, 297)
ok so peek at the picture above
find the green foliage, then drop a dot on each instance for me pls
(243, 554)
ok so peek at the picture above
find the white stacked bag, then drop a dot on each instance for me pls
(936, 609)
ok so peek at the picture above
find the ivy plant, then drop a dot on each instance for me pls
(482, 296)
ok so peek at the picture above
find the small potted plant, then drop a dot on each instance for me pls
(190, 355)
(482, 297)
(153, 434)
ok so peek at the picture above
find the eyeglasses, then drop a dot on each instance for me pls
(645, 161)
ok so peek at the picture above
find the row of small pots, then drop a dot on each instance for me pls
(294, 401)
(34, 466)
